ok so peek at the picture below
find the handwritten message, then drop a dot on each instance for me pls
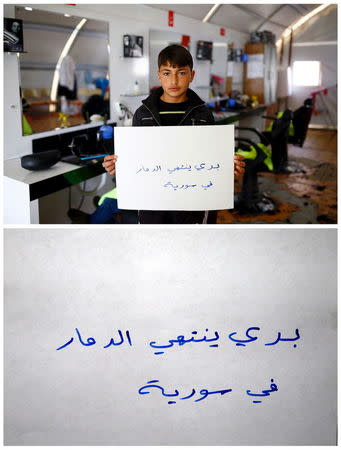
(180, 341)
(170, 336)
(175, 168)
(203, 392)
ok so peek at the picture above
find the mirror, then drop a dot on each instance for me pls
(219, 68)
(64, 76)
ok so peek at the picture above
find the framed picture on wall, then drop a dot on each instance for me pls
(132, 46)
(204, 50)
(13, 35)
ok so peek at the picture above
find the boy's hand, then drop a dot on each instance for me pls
(239, 165)
(109, 164)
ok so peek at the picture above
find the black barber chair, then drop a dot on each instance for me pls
(278, 138)
(301, 120)
(257, 159)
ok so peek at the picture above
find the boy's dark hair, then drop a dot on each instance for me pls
(175, 55)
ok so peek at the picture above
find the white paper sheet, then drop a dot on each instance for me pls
(255, 66)
(175, 168)
(161, 284)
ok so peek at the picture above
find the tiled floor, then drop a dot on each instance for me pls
(309, 197)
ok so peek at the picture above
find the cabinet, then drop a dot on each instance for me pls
(260, 73)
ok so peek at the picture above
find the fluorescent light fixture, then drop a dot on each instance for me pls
(28, 8)
(211, 12)
(64, 52)
(220, 44)
(67, 15)
(300, 22)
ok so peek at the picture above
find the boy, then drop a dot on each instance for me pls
(173, 104)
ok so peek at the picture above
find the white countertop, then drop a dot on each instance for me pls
(13, 169)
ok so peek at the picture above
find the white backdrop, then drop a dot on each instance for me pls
(159, 284)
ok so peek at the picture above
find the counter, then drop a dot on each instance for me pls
(229, 117)
(23, 188)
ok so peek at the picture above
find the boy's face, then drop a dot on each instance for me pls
(175, 82)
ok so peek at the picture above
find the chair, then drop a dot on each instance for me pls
(301, 120)
(278, 138)
(257, 159)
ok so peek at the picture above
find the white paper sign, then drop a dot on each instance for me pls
(255, 66)
(186, 168)
(170, 336)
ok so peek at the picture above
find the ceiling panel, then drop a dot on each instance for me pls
(194, 11)
(245, 17)
(288, 16)
(57, 19)
(231, 16)
(264, 9)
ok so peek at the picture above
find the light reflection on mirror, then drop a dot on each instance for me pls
(64, 77)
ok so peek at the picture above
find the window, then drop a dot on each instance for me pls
(306, 73)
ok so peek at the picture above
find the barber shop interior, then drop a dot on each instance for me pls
(75, 75)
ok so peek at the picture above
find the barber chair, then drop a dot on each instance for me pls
(257, 159)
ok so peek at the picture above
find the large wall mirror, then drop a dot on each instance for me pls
(64, 76)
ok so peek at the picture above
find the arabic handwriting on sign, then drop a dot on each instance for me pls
(112, 342)
(241, 342)
(265, 392)
(203, 392)
(150, 385)
(182, 167)
(205, 187)
(214, 167)
(89, 341)
(180, 340)
(146, 169)
(201, 166)
(176, 186)
(92, 341)
(279, 338)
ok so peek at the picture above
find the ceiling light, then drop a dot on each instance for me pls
(64, 52)
(67, 15)
(28, 8)
(211, 12)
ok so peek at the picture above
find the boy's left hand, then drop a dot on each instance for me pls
(239, 166)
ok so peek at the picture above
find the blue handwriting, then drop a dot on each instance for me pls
(186, 186)
(265, 393)
(251, 334)
(203, 392)
(91, 340)
(187, 167)
(181, 340)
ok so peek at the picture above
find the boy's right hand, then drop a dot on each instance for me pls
(109, 164)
